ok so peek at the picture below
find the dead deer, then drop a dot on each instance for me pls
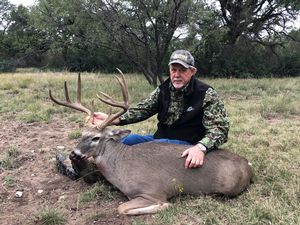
(152, 172)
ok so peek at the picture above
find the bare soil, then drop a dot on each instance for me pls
(41, 185)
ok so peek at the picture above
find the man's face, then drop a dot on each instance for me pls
(180, 76)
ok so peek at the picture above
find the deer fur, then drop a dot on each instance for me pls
(152, 172)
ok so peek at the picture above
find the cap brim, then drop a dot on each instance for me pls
(180, 62)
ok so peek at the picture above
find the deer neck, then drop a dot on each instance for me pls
(110, 148)
(110, 155)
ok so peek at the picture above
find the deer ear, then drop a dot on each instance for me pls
(119, 134)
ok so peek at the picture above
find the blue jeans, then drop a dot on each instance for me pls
(133, 139)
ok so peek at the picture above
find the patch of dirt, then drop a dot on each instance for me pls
(41, 186)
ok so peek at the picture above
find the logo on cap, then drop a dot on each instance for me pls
(182, 57)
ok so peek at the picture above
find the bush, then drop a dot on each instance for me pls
(7, 66)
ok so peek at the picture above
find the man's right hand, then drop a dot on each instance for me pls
(98, 118)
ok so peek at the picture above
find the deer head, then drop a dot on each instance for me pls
(91, 142)
(102, 97)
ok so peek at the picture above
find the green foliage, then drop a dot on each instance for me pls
(289, 56)
(138, 36)
(6, 66)
(50, 216)
(22, 43)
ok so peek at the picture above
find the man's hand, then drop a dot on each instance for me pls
(98, 118)
(195, 157)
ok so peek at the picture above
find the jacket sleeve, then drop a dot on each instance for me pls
(142, 110)
(215, 120)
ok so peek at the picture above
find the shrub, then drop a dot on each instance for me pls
(7, 66)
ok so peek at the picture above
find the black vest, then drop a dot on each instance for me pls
(189, 126)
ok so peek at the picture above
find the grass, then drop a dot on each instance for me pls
(9, 182)
(50, 216)
(94, 217)
(74, 134)
(10, 159)
(265, 124)
(99, 192)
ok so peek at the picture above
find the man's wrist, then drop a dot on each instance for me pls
(115, 122)
(201, 147)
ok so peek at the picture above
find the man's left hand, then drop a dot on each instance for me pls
(195, 157)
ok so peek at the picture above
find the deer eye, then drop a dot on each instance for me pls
(95, 139)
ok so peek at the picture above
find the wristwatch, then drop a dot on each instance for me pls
(202, 147)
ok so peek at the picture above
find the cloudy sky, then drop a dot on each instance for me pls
(23, 2)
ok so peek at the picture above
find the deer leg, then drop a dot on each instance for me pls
(64, 169)
(80, 168)
(87, 170)
(142, 205)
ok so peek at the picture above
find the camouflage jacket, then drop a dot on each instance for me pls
(215, 119)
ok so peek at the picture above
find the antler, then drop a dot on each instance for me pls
(109, 101)
(76, 105)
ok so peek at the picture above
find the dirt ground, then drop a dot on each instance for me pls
(41, 186)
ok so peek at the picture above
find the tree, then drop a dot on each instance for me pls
(22, 42)
(5, 9)
(258, 20)
(226, 36)
(141, 30)
(75, 38)
(289, 56)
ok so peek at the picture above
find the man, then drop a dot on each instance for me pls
(188, 110)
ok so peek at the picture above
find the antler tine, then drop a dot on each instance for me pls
(123, 84)
(125, 94)
(66, 92)
(76, 105)
(109, 101)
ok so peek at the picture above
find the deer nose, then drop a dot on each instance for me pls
(76, 157)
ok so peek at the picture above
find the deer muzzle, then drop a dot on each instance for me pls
(76, 156)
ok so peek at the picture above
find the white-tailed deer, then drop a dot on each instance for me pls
(150, 173)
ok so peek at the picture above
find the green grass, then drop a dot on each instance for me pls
(10, 159)
(265, 125)
(50, 216)
(99, 192)
(75, 134)
(9, 182)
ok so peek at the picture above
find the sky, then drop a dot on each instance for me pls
(23, 2)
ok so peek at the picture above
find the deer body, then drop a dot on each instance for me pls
(150, 173)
